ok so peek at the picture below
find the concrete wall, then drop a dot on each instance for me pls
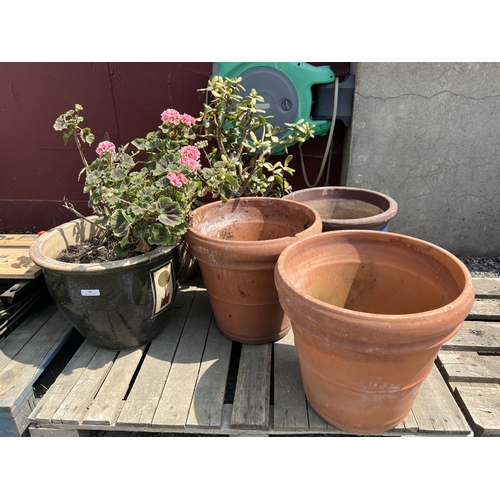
(427, 134)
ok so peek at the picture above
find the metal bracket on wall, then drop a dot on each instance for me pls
(323, 96)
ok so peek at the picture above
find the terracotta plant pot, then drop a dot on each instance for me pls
(348, 208)
(237, 245)
(369, 311)
(115, 305)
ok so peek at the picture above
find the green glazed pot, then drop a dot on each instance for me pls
(115, 305)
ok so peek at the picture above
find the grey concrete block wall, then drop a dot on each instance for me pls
(427, 134)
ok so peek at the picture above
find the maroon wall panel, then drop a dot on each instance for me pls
(123, 99)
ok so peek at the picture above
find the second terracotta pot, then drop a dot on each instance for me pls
(237, 245)
(348, 208)
(369, 311)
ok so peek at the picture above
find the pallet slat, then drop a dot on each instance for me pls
(17, 240)
(290, 404)
(110, 396)
(251, 399)
(15, 262)
(57, 393)
(24, 355)
(175, 401)
(435, 408)
(208, 400)
(482, 407)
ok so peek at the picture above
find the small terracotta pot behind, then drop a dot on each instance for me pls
(369, 311)
(237, 245)
(348, 208)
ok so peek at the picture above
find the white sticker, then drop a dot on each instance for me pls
(91, 293)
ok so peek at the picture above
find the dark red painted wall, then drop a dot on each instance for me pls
(123, 99)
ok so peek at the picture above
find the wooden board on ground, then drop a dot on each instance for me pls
(15, 262)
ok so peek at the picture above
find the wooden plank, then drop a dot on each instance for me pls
(58, 391)
(435, 409)
(208, 400)
(290, 404)
(140, 407)
(175, 402)
(485, 309)
(110, 397)
(466, 366)
(478, 336)
(17, 240)
(251, 398)
(15, 263)
(18, 376)
(408, 425)
(13, 343)
(487, 287)
(482, 408)
(317, 424)
(75, 404)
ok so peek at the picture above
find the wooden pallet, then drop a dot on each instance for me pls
(24, 355)
(193, 380)
(470, 362)
(15, 262)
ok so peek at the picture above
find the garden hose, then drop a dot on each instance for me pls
(328, 145)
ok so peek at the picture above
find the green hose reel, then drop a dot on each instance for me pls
(287, 88)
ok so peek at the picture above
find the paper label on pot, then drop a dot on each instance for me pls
(91, 293)
(163, 287)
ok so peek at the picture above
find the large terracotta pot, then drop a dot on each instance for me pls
(348, 208)
(115, 305)
(237, 245)
(369, 311)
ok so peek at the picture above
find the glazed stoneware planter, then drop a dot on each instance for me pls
(348, 208)
(115, 305)
(237, 245)
(369, 311)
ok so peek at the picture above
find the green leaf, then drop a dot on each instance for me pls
(122, 250)
(118, 175)
(232, 180)
(120, 225)
(60, 123)
(160, 235)
(170, 213)
(139, 143)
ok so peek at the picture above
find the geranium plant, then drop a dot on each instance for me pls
(142, 197)
(238, 141)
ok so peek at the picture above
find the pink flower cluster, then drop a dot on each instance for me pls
(105, 147)
(177, 179)
(173, 116)
(190, 157)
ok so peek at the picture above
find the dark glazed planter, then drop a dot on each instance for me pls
(115, 305)
(348, 208)
(237, 245)
(369, 311)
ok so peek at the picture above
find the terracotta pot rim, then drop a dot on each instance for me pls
(371, 221)
(259, 200)
(38, 256)
(429, 315)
